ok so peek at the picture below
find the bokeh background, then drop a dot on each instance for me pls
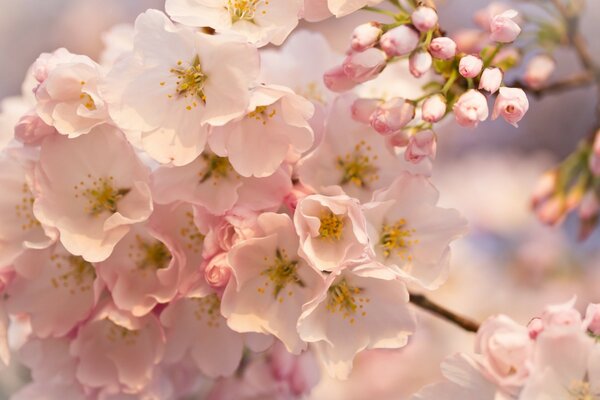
(508, 263)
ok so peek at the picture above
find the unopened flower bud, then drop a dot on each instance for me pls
(443, 48)
(434, 108)
(470, 66)
(590, 206)
(336, 80)
(544, 188)
(551, 211)
(421, 145)
(511, 104)
(218, 271)
(365, 36)
(398, 139)
(491, 79)
(364, 66)
(503, 28)
(538, 71)
(362, 109)
(470, 108)
(392, 116)
(399, 41)
(419, 63)
(592, 319)
(484, 16)
(594, 162)
(424, 18)
(535, 327)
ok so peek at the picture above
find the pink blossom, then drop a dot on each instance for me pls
(594, 161)
(561, 316)
(592, 319)
(419, 63)
(589, 207)
(362, 109)
(366, 36)
(470, 108)
(484, 17)
(539, 70)
(535, 327)
(32, 130)
(392, 116)
(218, 271)
(470, 66)
(424, 18)
(443, 48)
(399, 41)
(421, 145)
(503, 28)
(433, 108)
(336, 80)
(491, 79)
(511, 104)
(364, 66)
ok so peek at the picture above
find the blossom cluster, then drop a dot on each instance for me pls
(176, 211)
(556, 356)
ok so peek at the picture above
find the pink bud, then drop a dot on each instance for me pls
(592, 319)
(539, 70)
(364, 66)
(366, 36)
(434, 108)
(491, 78)
(551, 211)
(594, 162)
(443, 48)
(483, 17)
(218, 271)
(544, 188)
(399, 41)
(421, 145)
(32, 130)
(398, 139)
(470, 66)
(424, 18)
(503, 28)
(512, 104)
(363, 108)
(392, 116)
(419, 63)
(507, 54)
(336, 80)
(589, 206)
(535, 327)
(470, 41)
(470, 108)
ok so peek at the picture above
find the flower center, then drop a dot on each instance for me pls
(192, 237)
(262, 113)
(79, 275)
(87, 101)
(281, 273)
(396, 238)
(332, 226)
(357, 167)
(580, 390)
(119, 333)
(190, 81)
(24, 211)
(215, 167)
(346, 299)
(244, 10)
(208, 307)
(151, 255)
(102, 195)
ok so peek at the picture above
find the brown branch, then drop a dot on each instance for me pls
(569, 83)
(423, 302)
(575, 38)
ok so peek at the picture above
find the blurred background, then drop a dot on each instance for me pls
(508, 263)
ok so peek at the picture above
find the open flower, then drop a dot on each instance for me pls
(260, 21)
(91, 189)
(272, 283)
(175, 82)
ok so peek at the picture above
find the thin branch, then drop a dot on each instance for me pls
(569, 83)
(575, 38)
(423, 302)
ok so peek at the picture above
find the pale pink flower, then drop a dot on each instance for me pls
(12, 109)
(511, 104)
(259, 21)
(336, 80)
(424, 18)
(535, 327)
(561, 317)
(433, 108)
(276, 124)
(419, 63)
(227, 230)
(592, 319)
(211, 181)
(470, 66)
(443, 48)
(491, 79)
(410, 233)
(421, 145)
(315, 10)
(19, 228)
(363, 307)
(332, 230)
(271, 284)
(32, 130)
(594, 161)
(362, 109)
(218, 271)
(187, 78)
(470, 108)
(55, 289)
(589, 207)
(366, 36)
(91, 189)
(116, 351)
(503, 28)
(352, 156)
(484, 17)
(392, 115)
(538, 71)
(341, 8)
(364, 66)
(68, 97)
(399, 41)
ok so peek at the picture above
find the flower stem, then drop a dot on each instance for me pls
(423, 302)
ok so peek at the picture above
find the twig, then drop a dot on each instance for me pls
(575, 38)
(569, 83)
(423, 302)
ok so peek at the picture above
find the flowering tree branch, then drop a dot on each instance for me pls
(423, 302)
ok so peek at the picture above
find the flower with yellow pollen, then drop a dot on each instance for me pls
(395, 239)
(190, 82)
(358, 167)
(332, 225)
